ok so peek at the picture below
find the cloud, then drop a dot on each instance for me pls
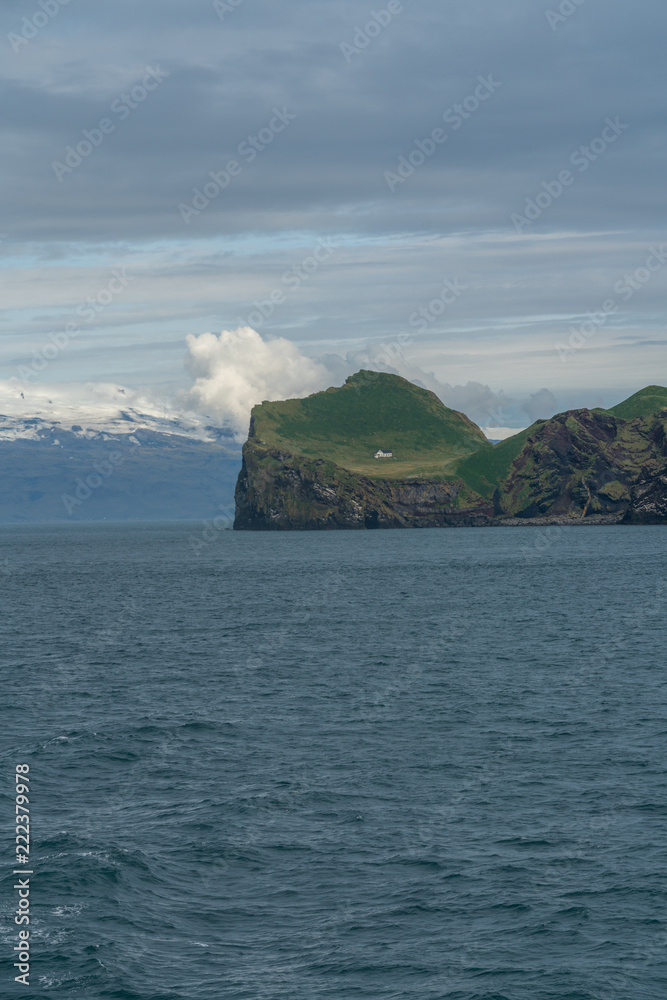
(325, 177)
(477, 401)
(501, 433)
(236, 370)
(541, 405)
(354, 121)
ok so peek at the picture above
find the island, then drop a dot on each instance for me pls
(381, 452)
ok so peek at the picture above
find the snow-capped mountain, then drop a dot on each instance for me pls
(102, 451)
(89, 409)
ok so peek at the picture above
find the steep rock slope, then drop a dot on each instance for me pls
(278, 491)
(648, 502)
(582, 462)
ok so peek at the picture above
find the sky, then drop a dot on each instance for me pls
(468, 192)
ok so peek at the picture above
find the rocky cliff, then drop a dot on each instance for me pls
(278, 491)
(648, 502)
(584, 462)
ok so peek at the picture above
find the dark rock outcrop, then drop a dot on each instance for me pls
(582, 462)
(648, 503)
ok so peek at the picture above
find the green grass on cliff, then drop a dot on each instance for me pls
(644, 403)
(484, 469)
(372, 410)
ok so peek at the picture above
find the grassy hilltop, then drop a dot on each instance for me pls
(644, 403)
(372, 410)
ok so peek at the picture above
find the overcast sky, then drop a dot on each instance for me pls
(170, 91)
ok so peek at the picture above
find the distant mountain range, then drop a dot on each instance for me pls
(309, 463)
(94, 457)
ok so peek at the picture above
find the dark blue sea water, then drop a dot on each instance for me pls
(341, 765)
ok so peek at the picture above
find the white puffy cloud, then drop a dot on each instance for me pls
(238, 369)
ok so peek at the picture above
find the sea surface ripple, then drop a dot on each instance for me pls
(394, 764)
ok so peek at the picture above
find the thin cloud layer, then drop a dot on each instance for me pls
(354, 120)
(279, 125)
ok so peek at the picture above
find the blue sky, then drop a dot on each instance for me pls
(410, 144)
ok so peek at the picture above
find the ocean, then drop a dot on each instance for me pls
(348, 765)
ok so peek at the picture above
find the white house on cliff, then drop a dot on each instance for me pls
(383, 454)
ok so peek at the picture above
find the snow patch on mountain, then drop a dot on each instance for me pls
(91, 409)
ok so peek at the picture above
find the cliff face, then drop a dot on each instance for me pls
(582, 462)
(278, 491)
